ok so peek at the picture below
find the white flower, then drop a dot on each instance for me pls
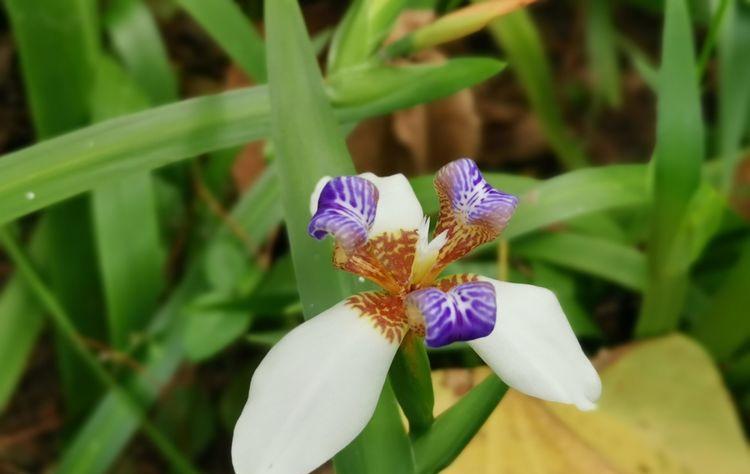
(318, 387)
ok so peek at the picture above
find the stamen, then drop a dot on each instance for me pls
(426, 252)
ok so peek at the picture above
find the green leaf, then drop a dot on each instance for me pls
(707, 208)
(733, 88)
(371, 83)
(77, 162)
(223, 324)
(232, 30)
(21, 322)
(410, 377)
(520, 39)
(364, 27)
(676, 169)
(602, 53)
(113, 421)
(578, 193)
(54, 53)
(383, 446)
(725, 328)
(136, 39)
(603, 258)
(455, 427)
(130, 264)
(309, 145)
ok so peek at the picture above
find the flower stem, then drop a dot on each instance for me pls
(66, 328)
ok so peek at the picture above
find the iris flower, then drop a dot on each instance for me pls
(318, 387)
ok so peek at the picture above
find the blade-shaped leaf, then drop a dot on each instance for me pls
(309, 145)
(676, 168)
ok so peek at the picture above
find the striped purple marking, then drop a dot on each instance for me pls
(473, 200)
(464, 313)
(346, 210)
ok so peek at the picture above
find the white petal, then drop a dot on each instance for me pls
(312, 394)
(398, 206)
(533, 348)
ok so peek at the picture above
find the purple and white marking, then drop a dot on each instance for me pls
(473, 200)
(346, 210)
(464, 313)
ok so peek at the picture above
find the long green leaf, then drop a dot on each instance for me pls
(21, 321)
(599, 257)
(602, 53)
(363, 29)
(309, 145)
(57, 59)
(46, 173)
(232, 30)
(454, 428)
(131, 264)
(137, 41)
(725, 327)
(676, 168)
(734, 87)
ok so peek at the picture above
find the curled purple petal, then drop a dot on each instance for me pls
(346, 210)
(464, 313)
(470, 199)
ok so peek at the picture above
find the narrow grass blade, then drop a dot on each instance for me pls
(77, 162)
(454, 428)
(130, 262)
(110, 419)
(578, 193)
(364, 27)
(53, 53)
(734, 88)
(382, 447)
(519, 38)
(309, 145)
(21, 321)
(602, 52)
(67, 330)
(676, 168)
(412, 383)
(231, 29)
(605, 259)
(136, 40)
(725, 328)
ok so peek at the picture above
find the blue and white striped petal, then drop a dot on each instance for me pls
(463, 313)
(345, 209)
(471, 199)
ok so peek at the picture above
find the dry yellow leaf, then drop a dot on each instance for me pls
(664, 410)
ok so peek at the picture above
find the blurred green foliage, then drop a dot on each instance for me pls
(135, 241)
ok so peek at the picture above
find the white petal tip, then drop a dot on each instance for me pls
(586, 405)
(316, 194)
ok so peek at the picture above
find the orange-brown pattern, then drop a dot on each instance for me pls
(462, 236)
(385, 259)
(448, 283)
(385, 311)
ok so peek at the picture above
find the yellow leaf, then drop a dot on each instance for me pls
(663, 410)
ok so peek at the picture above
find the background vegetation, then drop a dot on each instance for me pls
(158, 158)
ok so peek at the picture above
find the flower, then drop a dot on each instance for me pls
(318, 387)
